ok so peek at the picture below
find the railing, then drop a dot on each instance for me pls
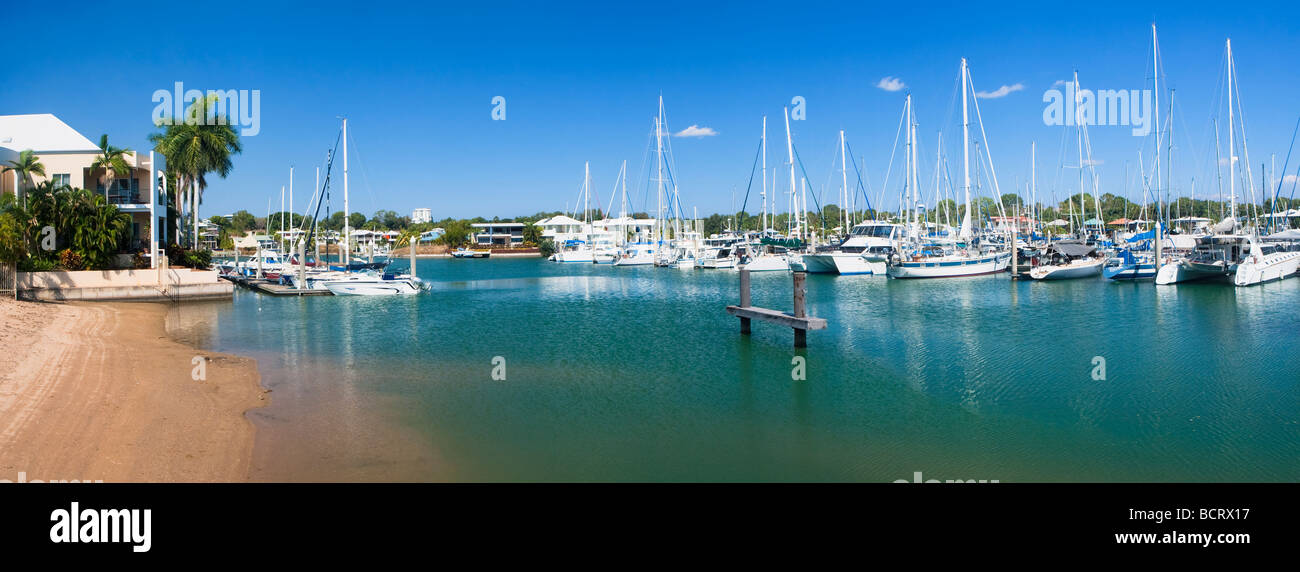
(121, 196)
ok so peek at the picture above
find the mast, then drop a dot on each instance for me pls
(965, 150)
(347, 209)
(659, 178)
(1078, 122)
(1155, 63)
(844, 181)
(911, 179)
(789, 147)
(1033, 176)
(1232, 150)
(764, 215)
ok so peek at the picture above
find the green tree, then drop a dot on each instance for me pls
(357, 220)
(111, 160)
(204, 143)
(242, 221)
(532, 234)
(27, 165)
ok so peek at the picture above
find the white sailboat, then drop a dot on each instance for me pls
(1218, 255)
(936, 260)
(365, 284)
(1069, 259)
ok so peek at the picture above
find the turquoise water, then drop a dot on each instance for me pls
(618, 374)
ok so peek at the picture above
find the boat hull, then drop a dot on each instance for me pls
(1139, 271)
(991, 264)
(372, 287)
(843, 263)
(1269, 268)
(1066, 272)
(1176, 272)
(767, 264)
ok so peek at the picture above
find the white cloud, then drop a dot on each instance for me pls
(1092, 162)
(890, 83)
(1289, 180)
(1060, 83)
(696, 131)
(1000, 92)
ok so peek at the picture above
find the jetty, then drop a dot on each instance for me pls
(798, 320)
(273, 288)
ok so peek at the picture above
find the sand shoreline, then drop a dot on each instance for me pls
(99, 391)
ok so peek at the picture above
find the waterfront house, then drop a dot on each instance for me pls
(504, 234)
(561, 228)
(67, 155)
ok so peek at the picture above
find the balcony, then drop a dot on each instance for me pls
(126, 198)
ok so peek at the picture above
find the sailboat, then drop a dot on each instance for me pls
(1220, 254)
(1068, 259)
(581, 250)
(364, 284)
(938, 260)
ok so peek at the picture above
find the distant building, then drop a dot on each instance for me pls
(499, 233)
(421, 215)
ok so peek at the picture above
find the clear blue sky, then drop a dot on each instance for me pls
(581, 84)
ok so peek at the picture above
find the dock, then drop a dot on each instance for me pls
(799, 320)
(269, 287)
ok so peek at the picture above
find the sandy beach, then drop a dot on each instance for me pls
(97, 391)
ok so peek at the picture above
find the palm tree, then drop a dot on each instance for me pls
(28, 164)
(198, 149)
(112, 160)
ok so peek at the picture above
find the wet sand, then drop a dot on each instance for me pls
(98, 391)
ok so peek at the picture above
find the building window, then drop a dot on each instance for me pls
(61, 180)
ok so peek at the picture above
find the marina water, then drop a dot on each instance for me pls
(637, 374)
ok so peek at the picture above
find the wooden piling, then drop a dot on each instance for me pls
(800, 311)
(744, 299)
(799, 321)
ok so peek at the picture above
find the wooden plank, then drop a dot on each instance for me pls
(777, 317)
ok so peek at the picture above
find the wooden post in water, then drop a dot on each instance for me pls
(800, 334)
(744, 299)
(412, 258)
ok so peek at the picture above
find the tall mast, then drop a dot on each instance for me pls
(911, 180)
(1232, 150)
(764, 152)
(659, 178)
(1078, 124)
(1155, 63)
(347, 212)
(789, 148)
(844, 180)
(1033, 176)
(938, 172)
(965, 150)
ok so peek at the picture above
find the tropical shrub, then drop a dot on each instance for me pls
(183, 257)
(70, 260)
(36, 265)
(546, 247)
(82, 222)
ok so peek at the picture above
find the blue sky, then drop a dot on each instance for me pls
(581, 83)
